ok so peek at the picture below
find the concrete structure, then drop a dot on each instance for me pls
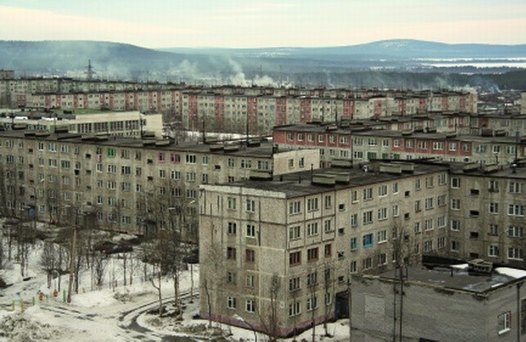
(523, 102)
(438, 305)
(306, 232)
(135, 185)
(129, 124)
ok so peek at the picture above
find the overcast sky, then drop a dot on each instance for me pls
(263, 23)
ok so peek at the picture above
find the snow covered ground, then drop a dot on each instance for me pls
(112, 313)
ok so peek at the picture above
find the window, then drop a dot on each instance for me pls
(231, 203)
(327, 226)
(294, 232)
(428, 224)
(354, 220)
(250, 280)
(382, 259)
(382, 214)
(515, 231)
(354, 244)
(493, 208)
(312, 204)
(368, 217)
(231, 302)
(455, 225)
(516, 210)
(428, 246)
(294, 258)
(312, 254)
(191, 159)
(442, 179)
(418, 207)
(294, 207)
(382, 190)
(493, 186)
(515, 253)
(312, 303)
(294, 284)
(417, 185)
(251, 230)
(504, 322)
(515, 187)
(454, 246)
(367, 194)
(328, 250)
(328, 202)
(367, 263)
(395, 188)
(354, 196)
(396, 210)
(382, 236)
(493, 250)
(250, 205)
(452, 146)
(441, 200)
(493, 229)
(250, 255)
(231, 277)
(455, 204)
(368, 240)
(429, 203)
(250, 305)
(231, 162)
(441, 221)
(294, 309)
(312, 229)
(417, 228)
(232, 228)
(231, 253)
(455, 182)
(312, 278)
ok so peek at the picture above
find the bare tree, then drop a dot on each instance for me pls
(100, 261)
(270, 320)
(48, 260)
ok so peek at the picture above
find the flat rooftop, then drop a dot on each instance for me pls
(300, 183)
(453, 278)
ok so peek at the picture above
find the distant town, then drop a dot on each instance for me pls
(399, 213)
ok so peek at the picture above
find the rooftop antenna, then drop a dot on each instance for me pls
(89, 72)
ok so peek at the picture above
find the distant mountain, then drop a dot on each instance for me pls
(390, 49)
(390, 63)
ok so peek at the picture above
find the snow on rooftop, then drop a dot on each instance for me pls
(511, 272)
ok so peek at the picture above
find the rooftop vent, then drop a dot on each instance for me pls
(260, 175)
(490, 168)
(341, 163)
(470, 167)
(216, 147)
(480, 266)
(163, 142)
(324, 179)
(391, 168)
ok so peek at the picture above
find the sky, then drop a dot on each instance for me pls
(264, 23)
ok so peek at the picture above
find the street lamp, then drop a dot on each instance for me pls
(239, 318)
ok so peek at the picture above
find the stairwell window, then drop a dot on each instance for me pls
(504, 322)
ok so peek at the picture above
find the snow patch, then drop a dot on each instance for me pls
(511, 272)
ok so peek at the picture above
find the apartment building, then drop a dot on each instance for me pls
(284, 246)
(135, 185)
(487, 213)
(439, 304)
(408, 138)
(130, 124)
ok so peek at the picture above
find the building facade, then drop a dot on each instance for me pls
(135, 185)
(307, 232)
